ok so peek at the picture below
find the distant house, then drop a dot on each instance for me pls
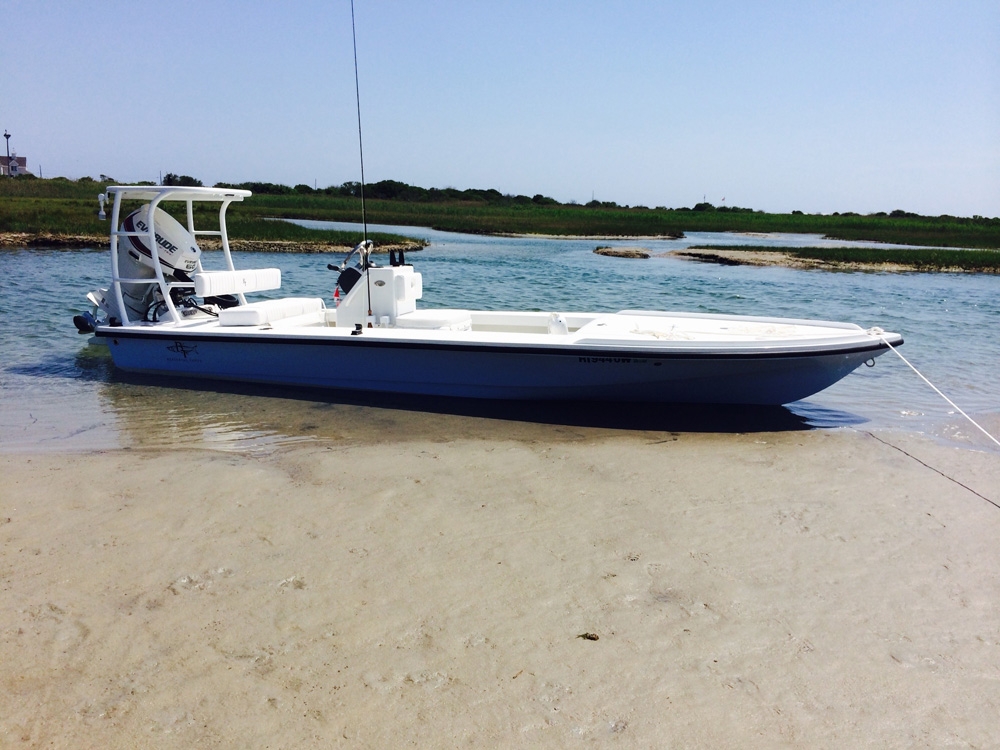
(17, 165)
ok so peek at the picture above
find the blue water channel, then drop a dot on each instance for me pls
(58, 392)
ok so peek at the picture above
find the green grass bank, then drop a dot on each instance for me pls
(60, 206)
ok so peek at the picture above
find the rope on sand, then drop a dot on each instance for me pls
(933, 468)
(878, 332)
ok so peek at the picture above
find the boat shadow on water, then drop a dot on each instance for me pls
(161, 412)
(323, 410)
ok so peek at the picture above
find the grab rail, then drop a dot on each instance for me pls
(155, 195)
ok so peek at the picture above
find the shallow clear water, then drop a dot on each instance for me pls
(57, 391)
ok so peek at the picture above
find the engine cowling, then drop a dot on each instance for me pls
(175, 246)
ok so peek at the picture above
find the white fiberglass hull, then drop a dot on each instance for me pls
(199, 324)
(634, 357)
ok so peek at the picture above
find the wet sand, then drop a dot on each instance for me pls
(807, 589)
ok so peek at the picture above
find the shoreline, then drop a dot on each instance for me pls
(17, 240)
(730, 257)
(597, 237)
(822, 588)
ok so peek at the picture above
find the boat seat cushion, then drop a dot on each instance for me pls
(269, 311)
(445, 320)
(214, 283)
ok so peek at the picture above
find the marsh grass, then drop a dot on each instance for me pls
(77, 217)
(268, 230)
(571, 220)
(64, 206)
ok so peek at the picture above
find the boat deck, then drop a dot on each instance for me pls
(628, 329)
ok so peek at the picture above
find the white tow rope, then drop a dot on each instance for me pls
(878, 332)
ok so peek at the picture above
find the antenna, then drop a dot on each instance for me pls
(361, 147)
(366, 253)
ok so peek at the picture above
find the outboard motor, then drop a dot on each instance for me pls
(176, 248)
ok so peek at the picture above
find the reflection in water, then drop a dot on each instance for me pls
(113, 409)
(58, 393)
(151, 416)
(227, 416)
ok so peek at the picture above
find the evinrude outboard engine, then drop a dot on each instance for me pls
(175, 247)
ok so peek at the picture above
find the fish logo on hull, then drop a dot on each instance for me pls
(183, 349)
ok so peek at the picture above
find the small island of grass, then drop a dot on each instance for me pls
(623, 252)
(847, 258)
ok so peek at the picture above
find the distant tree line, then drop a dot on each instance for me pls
(393, 190)
(181, 180)
(709, 207)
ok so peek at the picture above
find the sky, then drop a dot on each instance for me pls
(777, 105)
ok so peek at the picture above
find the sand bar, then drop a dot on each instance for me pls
(813, 589)
(623, 252)
(751, 257)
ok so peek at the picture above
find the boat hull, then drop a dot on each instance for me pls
(476, 370)
(377, 340)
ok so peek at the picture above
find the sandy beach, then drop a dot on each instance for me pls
(795, 589)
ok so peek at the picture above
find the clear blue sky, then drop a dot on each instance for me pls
(816, 106)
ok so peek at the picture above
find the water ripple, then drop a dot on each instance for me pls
(55, 390)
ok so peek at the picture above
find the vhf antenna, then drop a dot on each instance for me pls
(361, 151)
(361, 147)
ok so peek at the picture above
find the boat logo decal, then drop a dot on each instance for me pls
(181, 348)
